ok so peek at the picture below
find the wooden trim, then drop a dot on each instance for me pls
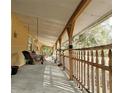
(80, 8)
(109, 46)
(100, 20)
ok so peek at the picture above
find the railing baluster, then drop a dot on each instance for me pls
(84, 68)
(92, 72)
(103, 73)
(88, 83)
(97, 73)
(110, 72)
(63, 61)
(75, 63)
(79, 68)
(74, 72)
(78, 64)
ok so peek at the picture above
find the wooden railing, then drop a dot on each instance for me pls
(92, 68)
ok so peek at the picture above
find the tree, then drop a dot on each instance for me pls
(98, 35)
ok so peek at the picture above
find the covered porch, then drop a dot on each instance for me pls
(75, 34)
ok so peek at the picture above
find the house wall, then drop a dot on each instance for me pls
(19, 41)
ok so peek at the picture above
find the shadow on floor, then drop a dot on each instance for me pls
(47, 78)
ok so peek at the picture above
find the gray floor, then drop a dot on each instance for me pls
(47, 78)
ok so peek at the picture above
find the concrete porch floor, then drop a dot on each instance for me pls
(46, 78)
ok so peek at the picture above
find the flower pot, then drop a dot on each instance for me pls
(14, 70)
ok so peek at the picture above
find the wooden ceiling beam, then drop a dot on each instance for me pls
(80, 8)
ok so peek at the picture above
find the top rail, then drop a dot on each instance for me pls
(109, 46)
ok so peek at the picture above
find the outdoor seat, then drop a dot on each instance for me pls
(28, 58)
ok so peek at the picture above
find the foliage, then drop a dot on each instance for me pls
(65, 45)
(47, 50)
(98, 35)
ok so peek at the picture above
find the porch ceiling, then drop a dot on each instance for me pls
(52, 16)
(92, 13)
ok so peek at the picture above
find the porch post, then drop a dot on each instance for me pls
(60, 49)
(70, 29)
(56, 51)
